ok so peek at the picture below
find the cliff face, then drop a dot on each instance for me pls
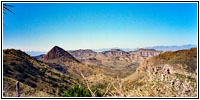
(146, 53)
(169, 74)
(114, 59)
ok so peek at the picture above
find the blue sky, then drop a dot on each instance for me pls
(40, 26)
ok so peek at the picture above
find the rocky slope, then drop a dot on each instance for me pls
(115, 60)
(167, 74)
(35, 77)
(145, 53)
(170, 74)
(74, 67)
(59, 54)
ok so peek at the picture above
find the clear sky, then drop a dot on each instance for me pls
(40, 26)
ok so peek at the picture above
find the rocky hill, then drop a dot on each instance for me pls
(170, 74)
(83, 53)
(146, 53)
(114, 60)
(140, 73)
(36, 78)
(57, 53)
(60, 57)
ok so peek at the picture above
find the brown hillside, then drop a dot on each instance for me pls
(59, 53)
(37, 76)
(170, 74)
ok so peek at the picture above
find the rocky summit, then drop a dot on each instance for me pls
(56, 53)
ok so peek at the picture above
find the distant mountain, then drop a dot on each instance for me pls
(83, 53)
(171, 48)
(114, 52)
(59, 54)
(145, 53)
(35, 53)
(140, 73)
(114, 59)
(39, 56)
(68, 62)
(159, 48)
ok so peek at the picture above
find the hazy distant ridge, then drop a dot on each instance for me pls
(159, 48)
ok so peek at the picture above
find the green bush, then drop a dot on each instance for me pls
(77, 91)
(43, 70)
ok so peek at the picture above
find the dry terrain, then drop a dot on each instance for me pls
(140, 73)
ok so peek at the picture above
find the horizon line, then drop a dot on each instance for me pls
(102, 48)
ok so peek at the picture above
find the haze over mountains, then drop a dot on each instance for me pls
(148, 72)
(95, 49)
(159, 48)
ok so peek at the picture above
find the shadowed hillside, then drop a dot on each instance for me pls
(34, 76)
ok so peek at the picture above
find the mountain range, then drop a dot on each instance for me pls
(159, 48)
(112, 73)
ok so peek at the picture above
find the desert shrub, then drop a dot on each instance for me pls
(6, 70)
(18, 68)
(55, 85)
(13, 63)
(42, 71)
(181, 76)
(77, 91)
(50, 82)
(6, 52)
(97, 93)
(21, 76)
(27, 62)
(48, 71)
(56, 74)
(69, 78)
(60, 90)
(27, 82)
(51, 78)
(63, 77)
(191, 79)
(21, 80)
(102, 86)
(33, 79)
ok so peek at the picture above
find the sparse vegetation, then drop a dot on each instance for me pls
(168, 74)
(78, 91)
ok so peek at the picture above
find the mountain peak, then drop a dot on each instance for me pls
(142, 49)
(115, 50)
(57, 52)
(57, 48)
